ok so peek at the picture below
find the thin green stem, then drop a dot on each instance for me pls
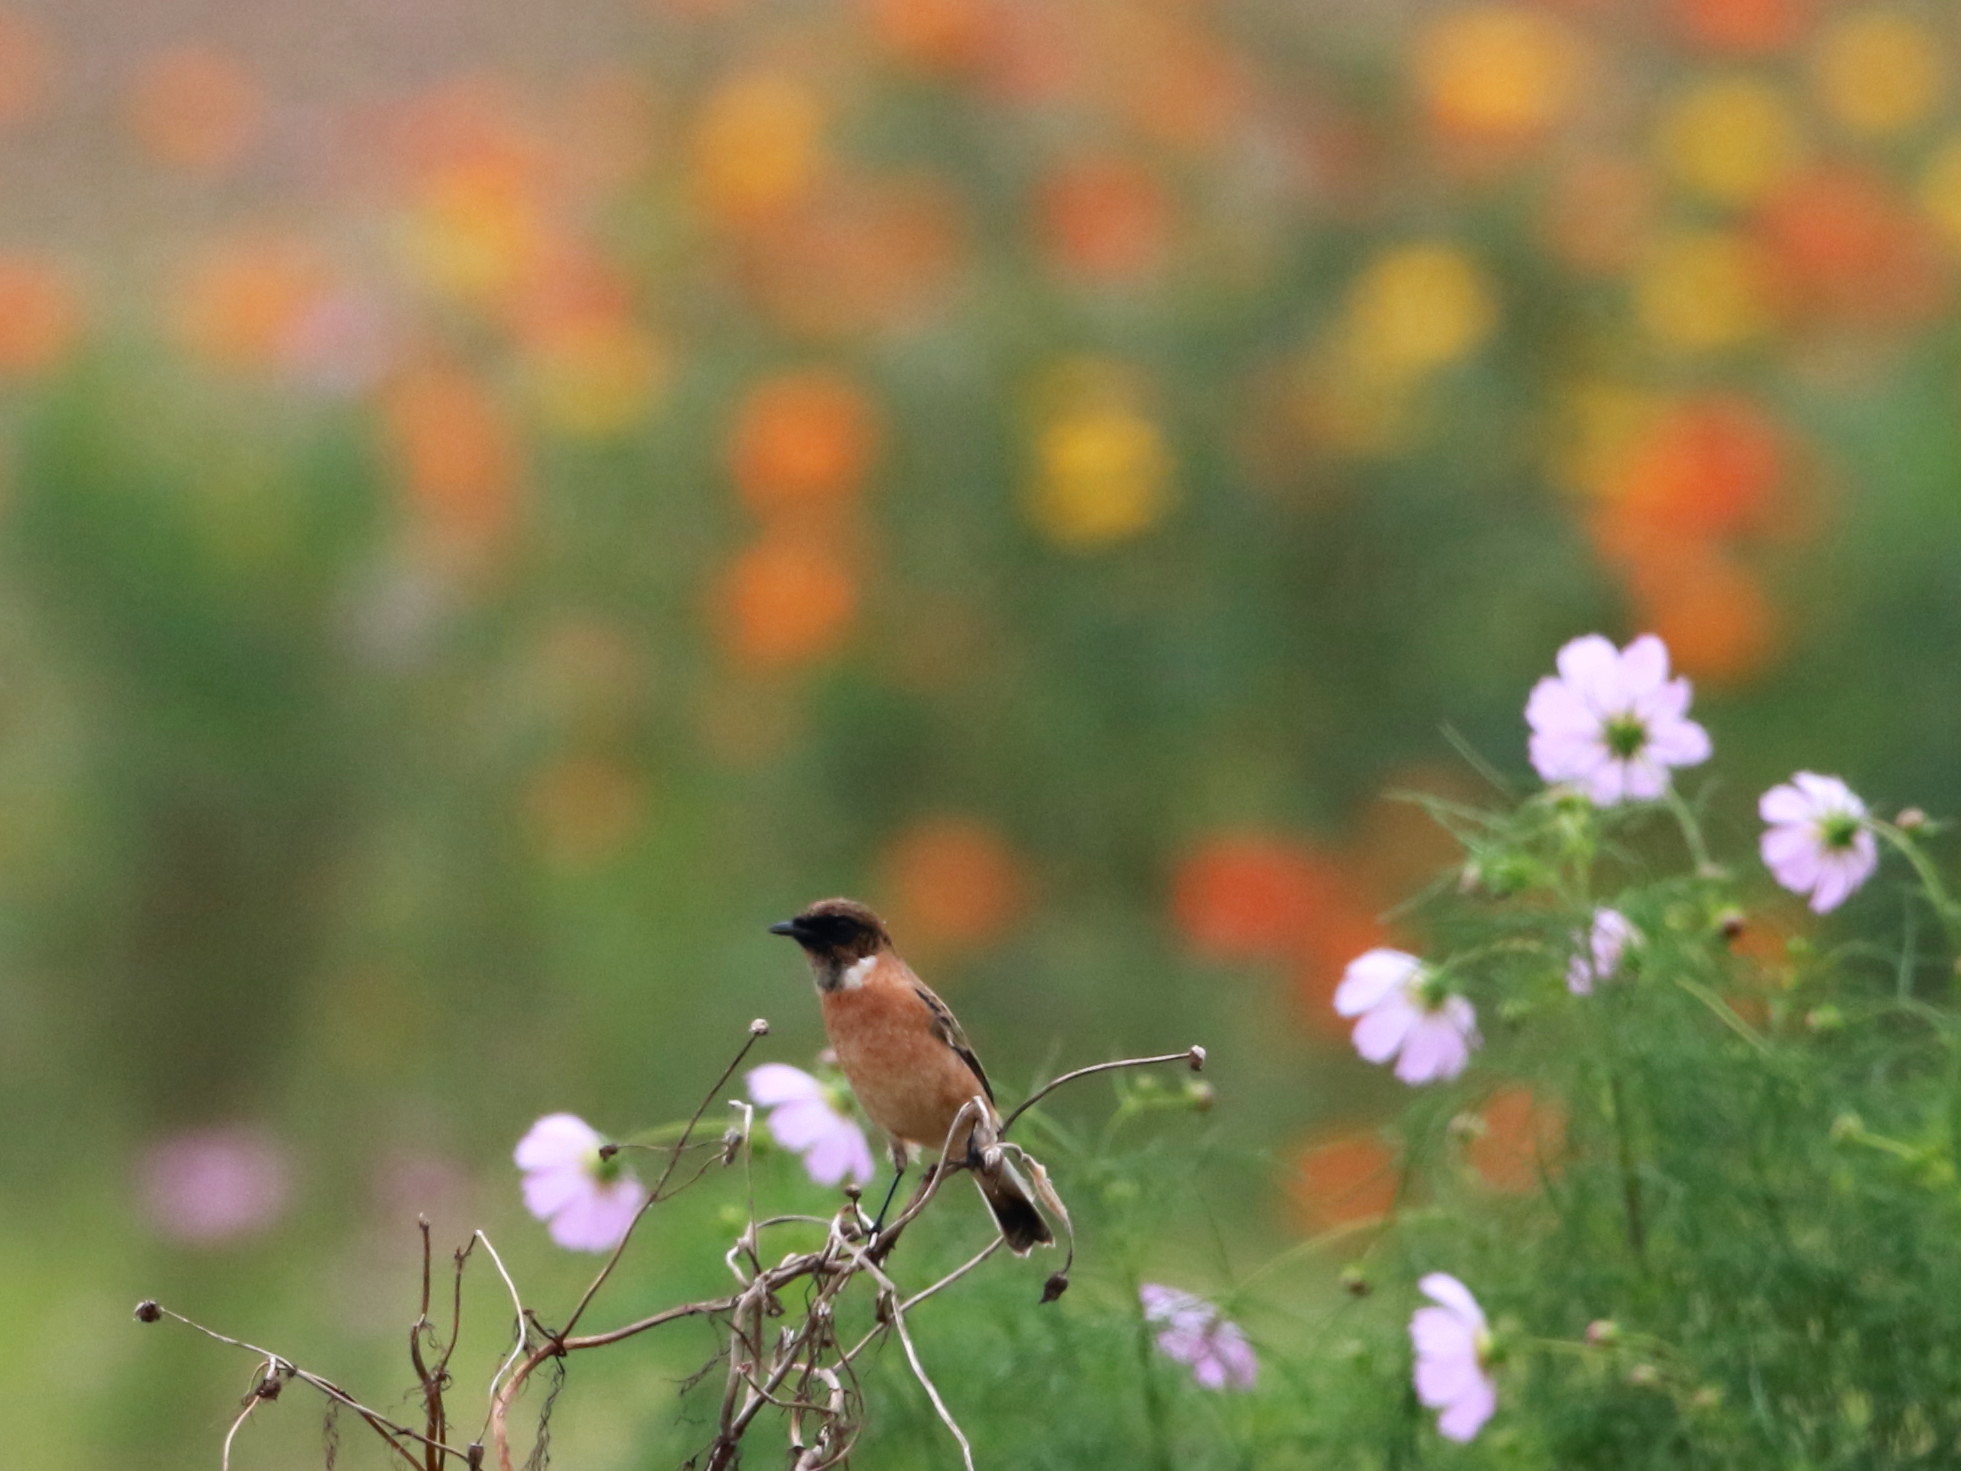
(1938, 897)
(1691, 826)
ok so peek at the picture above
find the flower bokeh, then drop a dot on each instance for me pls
(1193, 1332)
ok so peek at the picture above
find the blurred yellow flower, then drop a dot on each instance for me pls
(758, 147)
(1731, 140)
(598, 378)
(475, 231)
(1598, 422)
(1878, 72)
(1498, 73)
(1415, 308)
(1105, 475)
(1703, 290)
(1940, 191)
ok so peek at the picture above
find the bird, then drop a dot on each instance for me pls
(906, 1057)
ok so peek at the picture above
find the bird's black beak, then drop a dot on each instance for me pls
(787, 927)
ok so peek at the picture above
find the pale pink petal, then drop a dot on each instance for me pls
(1386, 1029)
(1235, 1355)
(842, 1153)
(1842, 872)
(1183, 1345)
(1664, 704)
(1828, 794)
(1183, 1310)
(596, 1220)
(1441, 1336)
(1592, 667)
(1644, 778)
(1606, 784)
(1793, 855)
(1435, 1049)
(1564, 756)
(548, 1191)
(777, 1082)
(1462, 1421)
(1644, 666)
(1784, 803)
(1444, 1375)
(1677, 742)
(557, 1139)
(1448, 1292)
(1370, 977)
(799, 1126)
(1555, 708)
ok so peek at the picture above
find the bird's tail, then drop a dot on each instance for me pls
(1008, 1196)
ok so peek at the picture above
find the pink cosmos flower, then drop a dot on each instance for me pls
(1406, 1014)
(1604, 948)
(1817, 841)
(1194, 1334)
(586, 1202)
(804, 1121)
(219, 1183)
(1453, 1347)
(1613, 722)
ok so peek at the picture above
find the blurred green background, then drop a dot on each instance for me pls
(498, 507)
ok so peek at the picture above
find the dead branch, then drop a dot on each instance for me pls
(801, 1370)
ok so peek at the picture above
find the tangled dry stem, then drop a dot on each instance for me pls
(801, 1369)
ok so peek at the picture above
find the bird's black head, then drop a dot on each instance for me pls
(836, 933)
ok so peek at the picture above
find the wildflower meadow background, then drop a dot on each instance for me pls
(1413, 545)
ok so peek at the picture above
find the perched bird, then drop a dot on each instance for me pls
(905, 1055)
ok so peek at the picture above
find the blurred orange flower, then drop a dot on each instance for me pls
(1498, 73)
(931, 35)
(803, 443)
(1742, 26)
(40, 314)
(195, 108)
(1105, 218)
(243, 304)
(1712, 612)
(954, 883)
(26, 68)
(1252, 896)
(457, 454)
(1343, 1180)
(758, 147)
(785, 601)
(478, 229)
(1522, 1136)
(865, 256)
(1709, 467)
(1847, 244)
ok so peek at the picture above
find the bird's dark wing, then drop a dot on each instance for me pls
(948, 1031)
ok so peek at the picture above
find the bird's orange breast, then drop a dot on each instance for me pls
(907, 1078)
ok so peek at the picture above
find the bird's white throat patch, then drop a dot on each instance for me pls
(857, 973)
